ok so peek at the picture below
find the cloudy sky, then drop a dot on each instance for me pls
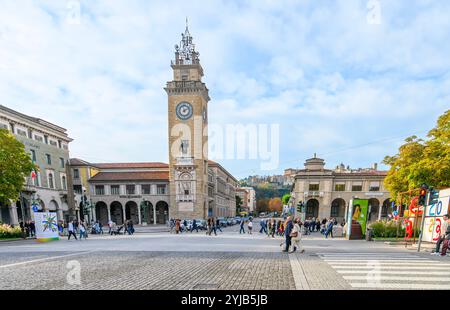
(348, 80)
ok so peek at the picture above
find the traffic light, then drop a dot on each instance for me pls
(434, 197)
(300, 206)
(422, 196)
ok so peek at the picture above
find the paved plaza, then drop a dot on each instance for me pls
(229, 261)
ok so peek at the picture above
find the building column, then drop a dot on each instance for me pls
(108, 207)
(380, 208)
(59, 214)
(124, 214)
(154, 214)
(13, 214)
(139, 214)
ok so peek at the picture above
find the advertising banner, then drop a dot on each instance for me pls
(46, 226)
(360, 209)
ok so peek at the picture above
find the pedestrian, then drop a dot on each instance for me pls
(242, 229)
(110, 224)
(447, 239)
(441, 238)
(329, 229)
(82, 229)
(32, 229)
(273, 228)
(296, 236)
(130, 227)
(287, 234)
(71, 230)
(218, 225)
(194, 226)
(177, 226)
(213, 226)
(250, 226)
(317, 225)
(312, 224)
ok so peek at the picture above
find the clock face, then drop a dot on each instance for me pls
(184, 110)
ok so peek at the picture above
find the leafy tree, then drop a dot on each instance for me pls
(238, 204)
(275, 204)
(15, 165)
(285, 199)
(420, 161)
(262, 205)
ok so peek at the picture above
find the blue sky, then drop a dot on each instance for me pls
(337, 85)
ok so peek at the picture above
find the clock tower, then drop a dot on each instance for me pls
(188, 134)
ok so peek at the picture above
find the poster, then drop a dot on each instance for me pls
(434, 217)
(360, 208)
(46, 226)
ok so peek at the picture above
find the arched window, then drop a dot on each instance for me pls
(50, 180)
(64, 184)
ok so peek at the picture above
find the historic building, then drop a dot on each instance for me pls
(327, 192)
(48, 146)
(121, 191)
(140, 192)
(248, 197)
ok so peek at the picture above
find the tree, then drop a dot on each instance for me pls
(238, 204)
(15, 165)
(262, 205)
(285, 199)
(275, 204)
(420, 161)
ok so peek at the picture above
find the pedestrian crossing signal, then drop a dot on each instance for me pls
(434, 197)
(422, 196)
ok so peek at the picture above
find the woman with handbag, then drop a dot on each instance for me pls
(296, 235)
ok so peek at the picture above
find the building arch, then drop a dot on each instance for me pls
(374, 209)
(101, 212)
(162, 212)
(53, 206)
(338, 209)
(312, 208)
(116, 212)
(385, 208)
(131, 211)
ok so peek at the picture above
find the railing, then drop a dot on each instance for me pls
(314, 194)
(185, 161)
(188, 198)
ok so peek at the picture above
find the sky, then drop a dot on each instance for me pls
(347, 80)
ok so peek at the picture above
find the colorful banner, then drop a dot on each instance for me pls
(46, 226)
(434, 217)
(360, 209)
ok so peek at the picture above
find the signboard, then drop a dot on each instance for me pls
(360, 208)
(434, 217)
(46, 226)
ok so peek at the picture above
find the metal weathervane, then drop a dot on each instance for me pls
(185, 52)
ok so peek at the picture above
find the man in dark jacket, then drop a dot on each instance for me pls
(287, 233)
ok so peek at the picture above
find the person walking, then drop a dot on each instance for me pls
(71, 230)
(312, 224)
(110, 224)
(447, 239)
(317, 225)
(329, 229)
(250, 226)
(82, 229)
(441, 238)
(273, 228)
(177, 226)
(213, 227)
(242, 229)
(194, 226)
(296, 236)
(287, 234)
(218, 225)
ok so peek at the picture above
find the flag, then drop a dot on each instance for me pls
(33, 175)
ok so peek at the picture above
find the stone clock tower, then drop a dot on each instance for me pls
(188, 134)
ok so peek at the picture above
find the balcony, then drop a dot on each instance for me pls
(314, 194)
(185, 198)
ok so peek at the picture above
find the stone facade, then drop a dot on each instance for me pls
(48, 145)
(222, 200)
(327, 193)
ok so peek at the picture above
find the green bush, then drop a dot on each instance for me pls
(387, 229)
(7, 232)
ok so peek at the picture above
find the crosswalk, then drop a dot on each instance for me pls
(390, 270)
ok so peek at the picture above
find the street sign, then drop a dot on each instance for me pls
(35, 208)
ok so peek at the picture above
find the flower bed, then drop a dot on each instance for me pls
(8, 232)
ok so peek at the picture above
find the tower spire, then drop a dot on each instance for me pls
(185, 53)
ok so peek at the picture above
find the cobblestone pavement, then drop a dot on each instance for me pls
(229, 261)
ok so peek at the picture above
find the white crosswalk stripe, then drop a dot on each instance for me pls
(390, 270)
